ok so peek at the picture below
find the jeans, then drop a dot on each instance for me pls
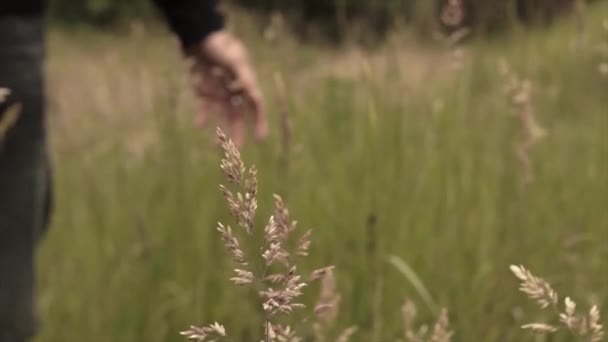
(25, 182)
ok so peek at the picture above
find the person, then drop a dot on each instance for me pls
(224, 77)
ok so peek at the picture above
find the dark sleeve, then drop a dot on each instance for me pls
(191, 20)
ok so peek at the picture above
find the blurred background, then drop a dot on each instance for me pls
(455, 137)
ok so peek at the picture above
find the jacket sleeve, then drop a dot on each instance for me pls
(191, 20)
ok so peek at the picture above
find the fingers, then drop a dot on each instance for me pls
(202, 117)
(206, 85)
(251, 90)
(237, 126)
(261, 120)
(231, 94)
(229, 117)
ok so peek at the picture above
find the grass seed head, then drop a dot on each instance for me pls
(595, 328)
(540, 328)
(347, 334)
(326, 308)
(408, 313)
(441, 330)
(242, 277)
(304, 244)
(584, 326)
(232, 244)
(535, 288)
(207, 333)
(231, 164)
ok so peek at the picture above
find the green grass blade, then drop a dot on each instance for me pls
(415, 281)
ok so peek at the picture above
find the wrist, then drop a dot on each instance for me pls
(223, 48)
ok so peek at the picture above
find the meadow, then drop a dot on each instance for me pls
(408, 149)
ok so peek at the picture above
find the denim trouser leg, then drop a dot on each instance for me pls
(24, 175)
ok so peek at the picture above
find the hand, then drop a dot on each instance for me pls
(227, 85)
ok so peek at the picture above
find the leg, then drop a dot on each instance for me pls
(24, 175)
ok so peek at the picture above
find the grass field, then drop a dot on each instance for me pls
(407, 150)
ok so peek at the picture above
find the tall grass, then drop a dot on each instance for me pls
(392, 152)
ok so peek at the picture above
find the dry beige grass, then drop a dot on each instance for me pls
(412, 333)
(520, 93)
(123, 101)
(272, 272)
(274, 276)
(585, 326)
(143, 71)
